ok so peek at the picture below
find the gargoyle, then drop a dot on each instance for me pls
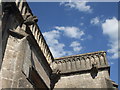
(54, 77)
(94, 70)
(29, 19)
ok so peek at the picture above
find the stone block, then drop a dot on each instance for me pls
(23, 83)
(7, 74)
(6, 83)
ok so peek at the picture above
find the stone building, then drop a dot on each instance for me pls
(26, 60)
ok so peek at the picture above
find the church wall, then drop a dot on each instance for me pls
(41, 68)
(28, 63)
(12, 76)
(83, 80)
(22, 59)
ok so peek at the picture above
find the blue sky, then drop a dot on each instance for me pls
(76, 28)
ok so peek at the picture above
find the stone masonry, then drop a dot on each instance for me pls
(27, 62)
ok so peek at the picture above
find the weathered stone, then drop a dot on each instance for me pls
(83, 80)
(26, 60)
(6, 83)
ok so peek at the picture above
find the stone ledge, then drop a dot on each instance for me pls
(84, 71)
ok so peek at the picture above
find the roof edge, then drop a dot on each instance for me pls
(80, 55)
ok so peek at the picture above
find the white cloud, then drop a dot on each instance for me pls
(52, 35)
(72, 32)
(55, 46)
(76, 46)
(95, 21)
(80, 6)
(58, 50)
(110, 28)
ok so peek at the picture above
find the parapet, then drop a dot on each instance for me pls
(81, 62)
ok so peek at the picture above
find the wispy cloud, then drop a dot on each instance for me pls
(81, 24)
(76, 46)
(110, 28)
(57, 48)
(95, 21)
(72, 32)
(80, 6)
